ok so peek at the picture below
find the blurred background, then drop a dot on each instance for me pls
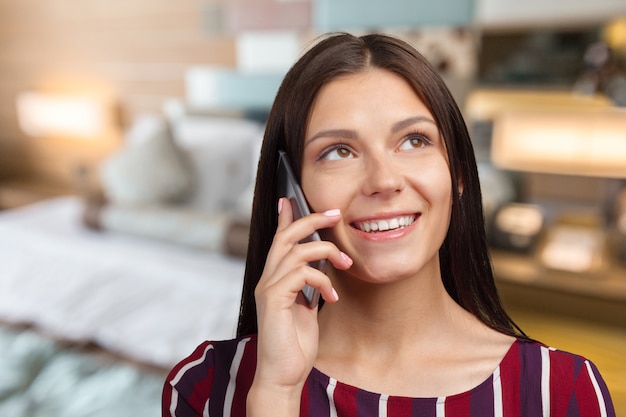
(129, 138)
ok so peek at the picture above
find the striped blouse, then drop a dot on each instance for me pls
(531, 381)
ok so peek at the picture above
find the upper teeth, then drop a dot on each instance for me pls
(387, 224)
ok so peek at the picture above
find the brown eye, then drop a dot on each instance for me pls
(414, 142)
(337, 153)
(343, 153)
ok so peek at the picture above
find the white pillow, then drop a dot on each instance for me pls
(221, 151)
(149, 169)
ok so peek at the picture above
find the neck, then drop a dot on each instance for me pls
(387, 315)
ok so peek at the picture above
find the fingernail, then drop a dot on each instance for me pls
(346, 258)
(332, 213)
(280, 205)
(335, 295)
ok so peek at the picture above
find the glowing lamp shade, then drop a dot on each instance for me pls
(67, 116)
(589, 143)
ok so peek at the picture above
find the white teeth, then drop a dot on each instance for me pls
(387, 224)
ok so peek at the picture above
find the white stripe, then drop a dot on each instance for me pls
(382, 405)
(330, 391)
(174, 403)
(596, 387)
(181, 373)
(497, 394)
(205, 412)
(232, 382)
(441, 407)
(545, 381)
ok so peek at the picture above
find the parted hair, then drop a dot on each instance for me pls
(465, 263)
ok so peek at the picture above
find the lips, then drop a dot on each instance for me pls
(383, 225)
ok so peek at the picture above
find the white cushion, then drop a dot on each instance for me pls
(149, 169)
(223, 153)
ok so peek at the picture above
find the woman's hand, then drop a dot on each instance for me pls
(287, 326)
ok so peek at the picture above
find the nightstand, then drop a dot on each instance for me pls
(20, 192)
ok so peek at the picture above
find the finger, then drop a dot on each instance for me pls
(285, 213)
(284, 292)
(306, 226)
(289, 233)
(303, 254)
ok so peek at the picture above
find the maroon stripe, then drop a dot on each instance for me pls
(245, 375)
(510, 382)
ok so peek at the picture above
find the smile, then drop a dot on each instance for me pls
(384, 225)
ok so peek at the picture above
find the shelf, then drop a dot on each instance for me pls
(524, 283)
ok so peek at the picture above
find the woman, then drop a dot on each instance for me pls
(412, 323)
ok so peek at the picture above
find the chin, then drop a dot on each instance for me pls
(383, 274)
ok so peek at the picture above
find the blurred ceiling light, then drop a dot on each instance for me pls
(485, 104)
(573, 142)
(64, 116)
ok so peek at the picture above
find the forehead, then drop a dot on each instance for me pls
(368, 96)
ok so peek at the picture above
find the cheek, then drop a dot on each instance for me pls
(433, 182)
(323, 193)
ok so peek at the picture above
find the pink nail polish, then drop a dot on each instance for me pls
(332, 213)
(280, 205)
(346, 258)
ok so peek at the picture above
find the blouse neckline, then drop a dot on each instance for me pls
(488, 382)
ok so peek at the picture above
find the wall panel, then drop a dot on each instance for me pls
(135, 50)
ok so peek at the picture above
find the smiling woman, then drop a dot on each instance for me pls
(391, 164)
(412, 323)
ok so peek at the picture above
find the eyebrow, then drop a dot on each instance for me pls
(403, 124)
(351, 134)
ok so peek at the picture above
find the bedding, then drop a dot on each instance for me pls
(144, 300)
(42, 377)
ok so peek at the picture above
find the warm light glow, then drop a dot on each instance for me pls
(590, 143)
(486, 104)
(614, 34)
(66, 116)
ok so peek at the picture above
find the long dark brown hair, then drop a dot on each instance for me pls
(465, 263)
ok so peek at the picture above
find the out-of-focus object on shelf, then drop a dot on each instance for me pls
(618, 238)
(576, 245)
(603, 74)
(517, 227)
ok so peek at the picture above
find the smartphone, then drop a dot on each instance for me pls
(288, 186)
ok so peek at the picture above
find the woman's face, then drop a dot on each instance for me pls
(373, 150)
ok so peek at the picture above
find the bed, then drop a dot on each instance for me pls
(143, 300)
(91, 319)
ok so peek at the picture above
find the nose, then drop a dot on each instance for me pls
(382, 175)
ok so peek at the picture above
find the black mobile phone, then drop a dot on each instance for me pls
(288, 186)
